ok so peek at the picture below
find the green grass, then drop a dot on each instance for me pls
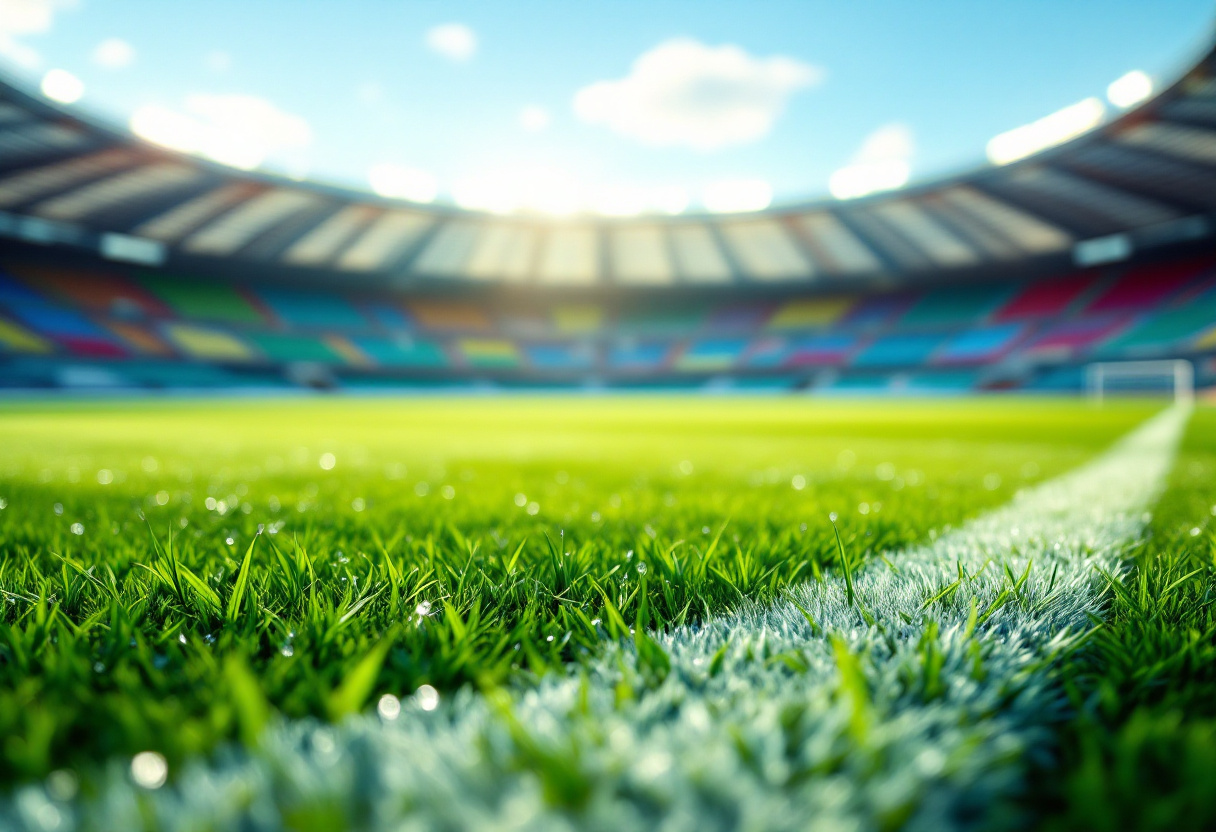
(452, 542)
(1140, 751)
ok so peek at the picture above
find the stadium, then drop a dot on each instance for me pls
(886, 544)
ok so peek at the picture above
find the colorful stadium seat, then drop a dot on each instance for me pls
(204, 301)
(830, 348)
(1046, 298)
(317, 310)
(902, 350)
(954, 306)
(401, 352)
(980, 345)
(713, 354)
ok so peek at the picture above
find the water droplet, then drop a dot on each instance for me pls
(448, 492)
(162, 497)
(58, 507)
(832, 517)
(288, 650)
(521, 500)
(358, 504)
(229, 541)
(641, 569)
(327, 461)
(428, 698)
(798, 482)
(77, 528)
(534, 508)
(105, 476)
(389, 707)
(181, 637)
(149, 769)
(423, 609)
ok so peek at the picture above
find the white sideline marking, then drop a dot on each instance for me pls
(758, 745)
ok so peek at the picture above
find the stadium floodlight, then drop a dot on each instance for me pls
(1141, 378)
(1130, 89)
(1048, 131)
(730, 196)
(62, 86)
(868, 178)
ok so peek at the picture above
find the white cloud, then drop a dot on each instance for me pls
(891, 141)
(19, 18)
(113, 53)
(683, 93)
(534, 119)
(454, 41)
(239, 130)
(882, 163)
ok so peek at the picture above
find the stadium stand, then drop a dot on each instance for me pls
(126, 265)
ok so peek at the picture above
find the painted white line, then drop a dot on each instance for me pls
(764, 720)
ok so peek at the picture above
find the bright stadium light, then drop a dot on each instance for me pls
(868, 178)
(1048, 131)
(1130, 89)
(62, 86)
(399, 182)
(737, 195)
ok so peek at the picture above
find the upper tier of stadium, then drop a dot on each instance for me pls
(1144, 180)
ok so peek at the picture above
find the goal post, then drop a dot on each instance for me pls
(1104, 378)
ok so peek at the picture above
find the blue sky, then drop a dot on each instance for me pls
(597, 102)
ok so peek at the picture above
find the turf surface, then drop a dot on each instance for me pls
(473, 542)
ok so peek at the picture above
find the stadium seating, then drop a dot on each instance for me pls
(132, 326)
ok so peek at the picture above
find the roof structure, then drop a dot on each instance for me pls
(1145, 179)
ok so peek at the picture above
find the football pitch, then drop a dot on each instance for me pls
(613, 613)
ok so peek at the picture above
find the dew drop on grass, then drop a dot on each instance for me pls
(162, 497)
(428, 698)
(641, 569)
(358, 504)
(105, 476)
(832, 517)
(448, 492)
(534, 508)
(4, 505)
(288, 650)
(423, 609)
(521, 499)
(181, 637)
(77, 528)
(327, 461)
(149, 770)
(389, 707)
(798, 482)
(229, 541)
(58, 508)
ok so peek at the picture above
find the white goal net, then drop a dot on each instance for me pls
(1141, 378)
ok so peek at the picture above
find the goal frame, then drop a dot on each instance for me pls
(1180, 371)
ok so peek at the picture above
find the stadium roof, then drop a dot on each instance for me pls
(1145, 179)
